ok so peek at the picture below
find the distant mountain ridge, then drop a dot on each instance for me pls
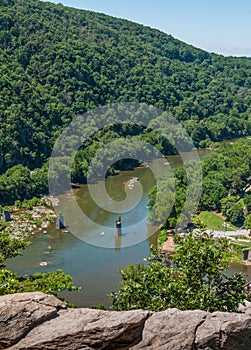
(57, 62)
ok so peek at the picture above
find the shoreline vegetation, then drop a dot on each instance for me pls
(27, 221)
(194, 277)
(225, 202)
(167, 245)
(34, 215)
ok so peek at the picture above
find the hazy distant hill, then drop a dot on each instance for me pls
(57, 62)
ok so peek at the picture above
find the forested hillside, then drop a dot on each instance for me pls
(57, 62)
(226, 186)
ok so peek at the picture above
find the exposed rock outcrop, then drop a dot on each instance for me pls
(19, 313)
(39, 321)
(80, 328)
(245, 307)
(224, 331)
(171, 329)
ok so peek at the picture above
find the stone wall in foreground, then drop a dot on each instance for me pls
(37, 321)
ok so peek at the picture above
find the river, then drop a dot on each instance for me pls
(92, 267)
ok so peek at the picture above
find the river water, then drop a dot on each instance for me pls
(92, 267)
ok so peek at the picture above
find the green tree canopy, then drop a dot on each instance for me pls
(198, 282)
(48, 76)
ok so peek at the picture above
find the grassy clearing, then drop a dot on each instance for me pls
(214, 222)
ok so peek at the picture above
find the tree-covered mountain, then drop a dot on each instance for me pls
(58, 62)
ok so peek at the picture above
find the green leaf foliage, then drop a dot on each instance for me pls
(9, 248)
(197, 282)
(58, 62)
(49, 282)
(225, 186)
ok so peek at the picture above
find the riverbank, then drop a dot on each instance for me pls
(240, 239)
(26, 222)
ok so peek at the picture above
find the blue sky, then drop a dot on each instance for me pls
(222, 26)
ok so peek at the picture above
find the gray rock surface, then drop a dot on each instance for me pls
(87, 329)
(19, 313)
(39, 321)
(225, 331)
(171, 329)
(245, 307)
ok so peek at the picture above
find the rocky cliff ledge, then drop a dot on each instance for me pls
(39, 321)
